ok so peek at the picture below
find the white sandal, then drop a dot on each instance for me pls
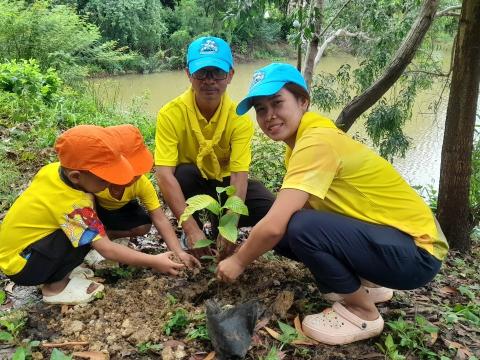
(74, 293)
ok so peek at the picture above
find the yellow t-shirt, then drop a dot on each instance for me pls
(176, 143)
(346, 177)
(141, 189)
(47, 205)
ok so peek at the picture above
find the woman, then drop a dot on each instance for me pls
(343, 211)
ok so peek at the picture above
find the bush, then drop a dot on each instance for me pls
(54, 35)
(268, 164)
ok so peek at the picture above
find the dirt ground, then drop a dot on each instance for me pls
(129, 321)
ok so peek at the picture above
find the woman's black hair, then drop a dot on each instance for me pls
(298, 91)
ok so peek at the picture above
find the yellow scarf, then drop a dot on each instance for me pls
(309, 120)
(206, 146)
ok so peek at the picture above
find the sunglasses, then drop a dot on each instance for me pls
(215, 74)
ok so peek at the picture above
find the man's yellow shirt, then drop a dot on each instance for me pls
(176, 143)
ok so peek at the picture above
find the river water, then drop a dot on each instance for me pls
(421, 165)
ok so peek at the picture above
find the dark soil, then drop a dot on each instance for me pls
(138, 304)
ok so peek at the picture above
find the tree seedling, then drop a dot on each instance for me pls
(228, 215)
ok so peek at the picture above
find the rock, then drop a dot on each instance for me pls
(75, 326)
(282, 303)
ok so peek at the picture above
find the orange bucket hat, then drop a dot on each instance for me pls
(133, 147)
(92, 148)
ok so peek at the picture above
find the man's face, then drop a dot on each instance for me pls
(209, 83)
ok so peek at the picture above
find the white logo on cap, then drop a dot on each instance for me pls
(209, 47)
(257, 77)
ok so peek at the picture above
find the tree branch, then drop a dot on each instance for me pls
(448, 11)
(400, 61)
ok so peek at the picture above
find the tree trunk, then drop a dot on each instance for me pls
(453, 199)
(401, 60)
(315, 17)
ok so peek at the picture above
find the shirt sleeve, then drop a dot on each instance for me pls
(82, 226)
(146, 193)
(241, 141)
(312, 166)
(166, 141)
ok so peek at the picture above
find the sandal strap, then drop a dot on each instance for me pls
(347, 315)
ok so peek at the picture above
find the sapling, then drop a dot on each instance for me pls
(227, 214)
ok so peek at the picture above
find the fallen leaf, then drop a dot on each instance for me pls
(433, 338)
(65, 344)
(210, 356)
(273, 333)
(9, 287)
(463, 352)
(261, 324)
(448, 290)
(92, 355)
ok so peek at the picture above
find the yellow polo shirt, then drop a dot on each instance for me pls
(47, 205)
(142, 189)
(175, 142)
(346, 177)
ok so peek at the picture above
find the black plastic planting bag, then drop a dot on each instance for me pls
(231, 330)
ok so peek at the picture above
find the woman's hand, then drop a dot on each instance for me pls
(229, 269)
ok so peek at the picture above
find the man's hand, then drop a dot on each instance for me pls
(229, 269)
(192, 238)
(165, 264)
(189, 260)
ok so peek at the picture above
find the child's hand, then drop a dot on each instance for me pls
(165, 264)
(189, 260)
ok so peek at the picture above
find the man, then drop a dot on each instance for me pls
(201, 142)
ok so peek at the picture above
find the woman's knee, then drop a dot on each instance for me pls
(303, 229)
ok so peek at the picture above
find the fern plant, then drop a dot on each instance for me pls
(227, 214)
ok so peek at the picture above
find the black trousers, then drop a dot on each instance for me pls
(340, 250)
(50, 260)
(128, 217)
(258, 199)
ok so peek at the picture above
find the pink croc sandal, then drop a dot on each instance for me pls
(338, 326)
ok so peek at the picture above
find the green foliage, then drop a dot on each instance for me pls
(227, 220)
(385, 24)
(178, 321)
(9, 176)
(268, 165)
(59, 355)
(11, 324)
(54, 35)
(137, 24)
(475, 179)
(272, 354)
(414, 338)
(25, 350)
(147, 347)
(199, 332)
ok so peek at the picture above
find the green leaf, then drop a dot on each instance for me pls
(208, 257)
(3, 296)
(58, 355)
(235, 204)
(202, 243)
(20, 354)
(230, 190)
(199, 202)
(228, 227)
(289, 333)
(272, 354)
(5, 336)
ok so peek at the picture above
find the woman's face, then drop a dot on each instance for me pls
(279, 115)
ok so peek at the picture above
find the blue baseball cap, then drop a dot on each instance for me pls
(209, 51)
(268, 81)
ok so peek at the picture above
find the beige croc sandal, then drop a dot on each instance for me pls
(82, 272)
(74, 293)
(376, 294)
(338, 326)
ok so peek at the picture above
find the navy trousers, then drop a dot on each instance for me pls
(340, 250)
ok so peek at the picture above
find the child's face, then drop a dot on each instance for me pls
(279, 115)
(87, 181)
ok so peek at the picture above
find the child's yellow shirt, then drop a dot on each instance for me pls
(142, 189)
(346, 177)
(47, 205)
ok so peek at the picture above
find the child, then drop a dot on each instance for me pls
(118, 207)
(52, 225)
(343, 211)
